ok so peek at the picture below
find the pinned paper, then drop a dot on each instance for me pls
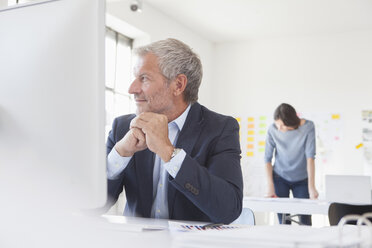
(261, 149)
(250, 154)
(262, 132)
(250, 126)
(359, 146)
(250, 132)
(335, 117)
(250, 146)
(262, 125)
(250, 119)
(250, 139)
(262, 118)
(238, 119)
(261, 143)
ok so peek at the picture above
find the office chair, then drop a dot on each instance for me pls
(338, 210)
(246, 217)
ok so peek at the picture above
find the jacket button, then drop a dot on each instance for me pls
(187, 186)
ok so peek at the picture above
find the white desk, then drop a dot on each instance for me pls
(286, 205)
(79, 231)
(250, 236)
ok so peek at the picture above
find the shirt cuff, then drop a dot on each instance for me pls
(116, 164)
(174, 165)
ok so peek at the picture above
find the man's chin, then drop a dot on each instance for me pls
(140, 110)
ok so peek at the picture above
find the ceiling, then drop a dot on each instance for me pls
(236, 20)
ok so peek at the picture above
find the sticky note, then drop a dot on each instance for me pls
(262, 118)
(250, 132)
(261, 143)
(250, 119)
(238, 119)
(359, 146)
(262, 132)
(250, 126)
(250, 154)
(335, 117)
(250, 139)
(250, 146)
(262, 125)
(261, 149)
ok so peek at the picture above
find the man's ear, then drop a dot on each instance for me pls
(180, 84)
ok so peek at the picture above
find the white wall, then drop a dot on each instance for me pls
(152, 25)
(320, 73)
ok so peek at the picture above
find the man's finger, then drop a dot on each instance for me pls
(141, 138)
(137, 123)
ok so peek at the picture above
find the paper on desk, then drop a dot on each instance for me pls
(118, 223)
(188, 227)
(270, 236)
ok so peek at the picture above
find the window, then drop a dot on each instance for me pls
(118, 76)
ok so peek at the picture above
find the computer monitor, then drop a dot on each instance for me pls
(349, 189)
(52, 138)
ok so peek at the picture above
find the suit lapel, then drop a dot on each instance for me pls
(186, 140)
(144, 172)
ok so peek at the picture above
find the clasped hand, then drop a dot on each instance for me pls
(147, 130)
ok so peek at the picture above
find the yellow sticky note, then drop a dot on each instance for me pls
(250, 119)
(250, 139)
(238, 119)
(261, 143)
(359, 146)
(250, 132)
(250, 146)
(250, 126)
(250, 154)
(335, 117)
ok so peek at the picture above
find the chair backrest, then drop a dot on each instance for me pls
(338, 210)
(246, 217)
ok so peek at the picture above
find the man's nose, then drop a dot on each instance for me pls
(134, 87)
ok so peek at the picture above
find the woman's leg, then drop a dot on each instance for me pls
(300, 190)
(281, 190)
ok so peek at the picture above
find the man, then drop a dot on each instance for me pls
(176, 159)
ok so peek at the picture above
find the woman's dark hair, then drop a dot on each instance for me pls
(288, 115)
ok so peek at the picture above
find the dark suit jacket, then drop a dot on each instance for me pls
(209, 185)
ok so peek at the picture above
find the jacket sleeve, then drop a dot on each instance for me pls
(215, 187)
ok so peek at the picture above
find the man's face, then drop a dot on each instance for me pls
(150, 89)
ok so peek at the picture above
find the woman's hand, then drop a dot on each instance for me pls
(271, 192)
(313, 193)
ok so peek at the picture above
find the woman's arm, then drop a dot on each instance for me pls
(270, 181)
(311, 179)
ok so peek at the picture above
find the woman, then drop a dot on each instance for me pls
(293, 141)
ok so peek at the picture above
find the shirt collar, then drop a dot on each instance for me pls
(180, 121)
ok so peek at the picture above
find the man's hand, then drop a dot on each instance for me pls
(155, 128)
(131, 143)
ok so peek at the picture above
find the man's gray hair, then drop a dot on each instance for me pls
(174, 58)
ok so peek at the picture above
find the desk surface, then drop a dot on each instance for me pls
(96, 232)
(286, 205)
(249, 236)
